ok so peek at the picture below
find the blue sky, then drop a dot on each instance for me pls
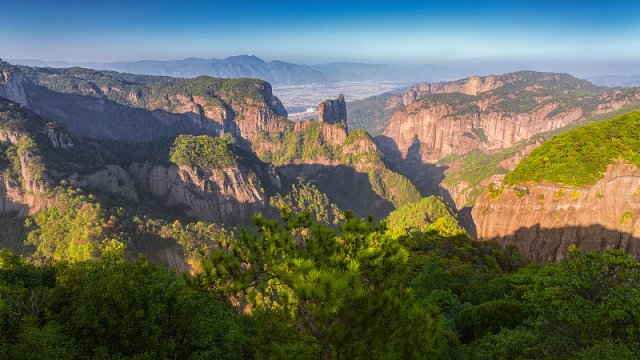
(407, 31)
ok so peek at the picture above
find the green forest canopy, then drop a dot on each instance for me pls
(580, 157)
(309, 291)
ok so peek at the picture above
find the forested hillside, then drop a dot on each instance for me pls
(306, 291)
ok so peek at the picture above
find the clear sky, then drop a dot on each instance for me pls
(414, 32)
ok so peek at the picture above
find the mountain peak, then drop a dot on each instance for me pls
(245, 58)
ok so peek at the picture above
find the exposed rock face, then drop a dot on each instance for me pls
(242, 119)
(543, 220)
(58, 138)
(334, 111)
(112, 179)
(269, 117)
(103, 105)
(12, 199)
(473, 85)
(24, 196)
(434, 133)
(432, 121)
(229, 195)
(11, 86)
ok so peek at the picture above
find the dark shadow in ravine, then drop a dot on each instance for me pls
(100, 118)
(540, 244)
(424, 176)
(344, 186)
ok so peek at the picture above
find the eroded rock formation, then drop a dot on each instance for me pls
(334, 111)
(136, 108)
(543, 220)
(432, 121)
(11, 86)
(228, 195)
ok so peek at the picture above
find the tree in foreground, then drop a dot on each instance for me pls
(340, 294)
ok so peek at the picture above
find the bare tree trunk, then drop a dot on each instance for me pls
(316, 332)
(326, 351)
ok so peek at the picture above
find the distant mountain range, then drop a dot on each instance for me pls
(276, 72)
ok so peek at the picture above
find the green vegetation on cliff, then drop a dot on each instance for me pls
(392, 186)
(305, 145)
(580, 157)
(117, 86)
(203, 152)
(305, 197)
(477, 166)
(14, 118)
(357, 150)
(430, 214)
(473, 168)
(234, 90)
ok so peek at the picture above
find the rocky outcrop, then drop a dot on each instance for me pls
(473, 85)
(12, 198)
(244, 119)
(543, 220)
(228, 195)
(430, 131)
(104, 105)
(58, 138)
(432, 121)
(269, 117)
(112, 179)
(11, 86)
(24, 193)
(334, 111)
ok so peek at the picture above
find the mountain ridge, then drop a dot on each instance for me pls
(276, 72)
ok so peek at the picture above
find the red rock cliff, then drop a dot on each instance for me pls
(543, 220)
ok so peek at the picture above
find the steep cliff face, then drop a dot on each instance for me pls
(228, 195)
(135, 107)
(347, 167)
(17, 200)
(433, 133)
(10, 84)
(37, 155)
(113, 179)
(334, 111)
(543, 220)
(23, 177)
(473, 85)
(244, 111)
(432, 121)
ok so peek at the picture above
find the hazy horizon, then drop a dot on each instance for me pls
(585, 38)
